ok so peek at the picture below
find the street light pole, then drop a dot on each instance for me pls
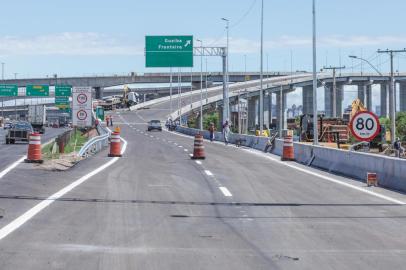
(315, 128)
(226, 110)
(201, 85)
(261, 93)
(392, 92)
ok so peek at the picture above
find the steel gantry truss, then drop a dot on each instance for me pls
(218, 51)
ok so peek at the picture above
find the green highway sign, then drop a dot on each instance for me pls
(63, 90)
(62, 102)
(169, 51)
(37, 90)
(8, 90)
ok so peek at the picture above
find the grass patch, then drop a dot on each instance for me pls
(51, 151)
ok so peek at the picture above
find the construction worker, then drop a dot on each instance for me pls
(107, 120)
(398, 147)
(212, 129)
(111, 120)
(226, 131)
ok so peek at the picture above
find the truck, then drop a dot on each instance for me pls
(37, 117)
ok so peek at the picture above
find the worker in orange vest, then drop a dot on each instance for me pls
(107, 120)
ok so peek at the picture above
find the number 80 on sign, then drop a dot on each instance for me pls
(365, 126)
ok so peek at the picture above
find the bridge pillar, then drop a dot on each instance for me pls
(196, 84)
(280, 111)
(270, 110)
(307, 99)
(252, 111)
(329, 99)
(98, 92)
(402, 96)
(361, 93)
(368, 96)
(384, 99)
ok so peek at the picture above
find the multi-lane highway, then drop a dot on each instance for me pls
(155, 208)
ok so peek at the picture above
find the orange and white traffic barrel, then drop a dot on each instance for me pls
(34, 148)
(115, 145)
(198, 149)
(288, 153)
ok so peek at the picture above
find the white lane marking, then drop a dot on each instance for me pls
(18, 222)
(151, 136)
(191, 155)
(208, 172)
(185, 150)
(328, 178)
(15, 163)
(180, 146)
(12, 166)
(175, 143)
(199, 162)
(331, 179)
(225, 191)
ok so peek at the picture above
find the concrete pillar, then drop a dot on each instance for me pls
(252, 111)
(368, 97)
(384, 100)
(99, 92)
(307, 99)
(402, 96)
(266, 110)
(361, 93)
(328, 100)
(280, 113)
(339, 100)
(270, 109)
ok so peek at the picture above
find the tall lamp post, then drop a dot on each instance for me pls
(315, 127)
(226, 110)
(201, 85)
(261, 93)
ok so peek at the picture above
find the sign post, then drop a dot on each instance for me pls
(169, 51)
(365, 126)
(82, 106)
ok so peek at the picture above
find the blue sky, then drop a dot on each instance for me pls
(72, 37)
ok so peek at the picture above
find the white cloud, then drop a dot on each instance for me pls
(89, 43)
(240, 45)
(67, 43)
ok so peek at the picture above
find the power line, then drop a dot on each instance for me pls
(242, 18)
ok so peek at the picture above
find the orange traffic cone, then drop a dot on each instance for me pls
(198, 150)
(34, 149)
(115, 145)
(288, 153)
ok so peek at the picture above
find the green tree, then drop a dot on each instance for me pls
(401, 125)
(211, 118)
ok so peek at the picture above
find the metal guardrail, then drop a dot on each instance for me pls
(96, 144)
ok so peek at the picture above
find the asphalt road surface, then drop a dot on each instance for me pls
(155, 208)
(9, 153)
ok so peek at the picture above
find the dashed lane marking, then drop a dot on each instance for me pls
(208, 172)
(199, 162)
(225, 191)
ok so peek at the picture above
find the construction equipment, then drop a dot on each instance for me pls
(37, 117)
(357, 106)
(129, 98)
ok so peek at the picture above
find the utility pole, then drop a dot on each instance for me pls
(201, 86)
(334, 87)
(226, 105)
(261, 92)
(2, 99)
(315, 128)
(392, 92)
(2, 71)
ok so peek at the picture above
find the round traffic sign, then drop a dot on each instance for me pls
(81, 114)
(365, 126)
(82, 98)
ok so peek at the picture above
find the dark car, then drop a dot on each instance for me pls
(8, 125)
(154, 125)
(20, 131)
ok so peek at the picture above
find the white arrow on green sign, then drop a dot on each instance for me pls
(37, 90)
(63, 90)
(8, 90)
(169, 51)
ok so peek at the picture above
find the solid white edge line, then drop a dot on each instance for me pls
(18, 222)
(225, 191)
(15, 163)
(199, 162)
(12, 166)
(208, 172)
(329, 178)
(256, 152)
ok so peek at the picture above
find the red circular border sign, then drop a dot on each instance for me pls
(77, 98)
(373, 135)
(77, 115)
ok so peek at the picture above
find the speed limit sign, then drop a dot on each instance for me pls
(365, 126)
